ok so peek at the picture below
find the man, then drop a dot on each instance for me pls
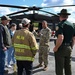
(20, 26)
(25, 48)
(65, 39)
(5, 41)
(11, 50)
(31, 27)
(45, 34)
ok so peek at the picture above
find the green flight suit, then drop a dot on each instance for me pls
(63, 55)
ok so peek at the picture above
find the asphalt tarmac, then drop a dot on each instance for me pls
(51, 64)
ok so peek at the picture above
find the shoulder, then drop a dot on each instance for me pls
(1, 27)
(69, 23)
(17, 31)
(30, 33)
(48, 29)
(30, 36)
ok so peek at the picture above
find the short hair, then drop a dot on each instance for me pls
(64, 16)
(12, 25)
(44, 21)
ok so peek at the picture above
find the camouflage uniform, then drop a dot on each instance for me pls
(44, 45)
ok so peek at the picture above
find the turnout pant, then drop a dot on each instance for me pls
(24, 65)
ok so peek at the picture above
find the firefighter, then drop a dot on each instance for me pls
(25, 46)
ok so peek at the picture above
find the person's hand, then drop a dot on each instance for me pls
(4, 49)
(55, 49)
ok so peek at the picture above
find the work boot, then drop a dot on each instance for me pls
(45, 68)
(40, 65)
(15, 68)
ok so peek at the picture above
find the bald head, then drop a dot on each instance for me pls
(44, 21)
(44, 24)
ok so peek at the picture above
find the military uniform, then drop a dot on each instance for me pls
(44, 45)
(63, 55)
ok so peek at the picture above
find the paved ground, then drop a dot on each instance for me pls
(51, 65)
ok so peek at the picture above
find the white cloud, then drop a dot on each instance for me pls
(4, 11)
(43, 4)
(70, 9)
(58, 9)
(67, 2)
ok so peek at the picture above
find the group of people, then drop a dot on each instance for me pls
(25, 45)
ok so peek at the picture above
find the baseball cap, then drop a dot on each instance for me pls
(25, 21)
(5, 18)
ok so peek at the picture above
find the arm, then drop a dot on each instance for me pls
(33, 44)
(58, 42)
(1, 39)
(73, 41)
(48, 35)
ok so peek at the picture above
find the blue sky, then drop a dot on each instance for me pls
(40, 3)
(22, 2)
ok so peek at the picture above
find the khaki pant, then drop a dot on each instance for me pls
(63, 60)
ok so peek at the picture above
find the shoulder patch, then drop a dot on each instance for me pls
(57, 28)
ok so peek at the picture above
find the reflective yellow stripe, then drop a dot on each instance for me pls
(19, 50)
(24, 58)
(25, 46)
(21, 46)
(34, 48)
(20, 37)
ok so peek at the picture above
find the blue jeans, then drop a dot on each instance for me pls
(2, 61)
(10, 55)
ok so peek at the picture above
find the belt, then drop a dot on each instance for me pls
(66, 44)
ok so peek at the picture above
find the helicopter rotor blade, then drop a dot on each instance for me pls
(28, 9)
(58, 6)
(17, 12)
(13, 6)
(33, 7)
(48, 12)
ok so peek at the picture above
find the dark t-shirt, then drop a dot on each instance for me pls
(67, 29)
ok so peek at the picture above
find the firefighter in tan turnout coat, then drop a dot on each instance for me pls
(25, 46)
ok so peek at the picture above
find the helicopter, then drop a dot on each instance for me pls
(34, 17)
